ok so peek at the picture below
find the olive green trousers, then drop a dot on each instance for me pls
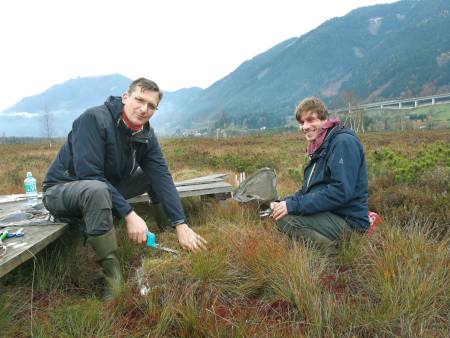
(322, 228)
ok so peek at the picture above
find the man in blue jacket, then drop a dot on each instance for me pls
(112, 154)
(333, 198)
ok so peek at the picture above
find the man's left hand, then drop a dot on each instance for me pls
(279, 210)
(189, 239)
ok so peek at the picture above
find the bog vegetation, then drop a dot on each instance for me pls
(253, 281)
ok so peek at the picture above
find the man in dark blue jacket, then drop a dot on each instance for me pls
(110, 155)
(333, 198)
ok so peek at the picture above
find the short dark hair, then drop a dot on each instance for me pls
(145, 84)
(313, 105)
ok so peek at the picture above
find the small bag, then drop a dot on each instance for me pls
(261, 186)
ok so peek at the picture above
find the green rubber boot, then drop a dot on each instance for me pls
(105, 247)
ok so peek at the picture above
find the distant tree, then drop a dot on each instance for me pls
(417, 117)
(47, 125)
(354, 116)
(367, 121)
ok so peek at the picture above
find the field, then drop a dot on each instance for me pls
(440, 112)
(253, 281)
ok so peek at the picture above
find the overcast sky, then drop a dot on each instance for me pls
(177, 43)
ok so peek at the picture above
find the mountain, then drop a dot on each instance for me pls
(372, 53)
(63, 101)
(75, 94)
(169, 112)
(383, 51)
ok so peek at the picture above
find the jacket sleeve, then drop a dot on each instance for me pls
(342, 165)
(155, 168)
(88, 148)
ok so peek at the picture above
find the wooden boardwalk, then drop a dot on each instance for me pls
(15, 214)
(19, 250)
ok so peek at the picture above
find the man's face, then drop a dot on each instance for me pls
(310, 125)
(139, 106)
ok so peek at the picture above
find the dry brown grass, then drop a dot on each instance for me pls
(253, 281)
(17, 159)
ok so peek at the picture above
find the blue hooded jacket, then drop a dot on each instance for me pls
(335, 180)
(100, 147)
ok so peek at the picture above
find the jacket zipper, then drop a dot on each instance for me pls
(314, 165)
(134, 161)
(310, 175)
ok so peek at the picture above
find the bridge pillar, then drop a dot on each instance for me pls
(399, 105)
(416, 103)
(433, 100)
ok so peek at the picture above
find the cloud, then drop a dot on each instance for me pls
(20, 114)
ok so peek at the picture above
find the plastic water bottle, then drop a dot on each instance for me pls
(30, 189)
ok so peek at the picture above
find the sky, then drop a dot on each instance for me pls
(176, 43)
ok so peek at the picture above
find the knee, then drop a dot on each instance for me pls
(97, 195)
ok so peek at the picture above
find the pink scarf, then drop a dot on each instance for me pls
(328, 124)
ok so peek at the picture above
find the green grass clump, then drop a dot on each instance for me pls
(404, 274)
(82, 319)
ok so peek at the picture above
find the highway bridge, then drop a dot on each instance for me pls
(406, 103)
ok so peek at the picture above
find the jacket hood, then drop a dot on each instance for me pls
(340, 129)
(115, 106)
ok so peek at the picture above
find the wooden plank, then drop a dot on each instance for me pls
(15, 198)
(20, 213)
(10, 207)
(193, 190)
(206, 188)
(194, 182)
(201, 180)
(21, 249)
(206, 178)
(37, 237)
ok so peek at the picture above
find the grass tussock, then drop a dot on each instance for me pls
(82, 319)
(405, 273)
(253, 281)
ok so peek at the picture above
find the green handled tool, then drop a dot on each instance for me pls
(3, 235)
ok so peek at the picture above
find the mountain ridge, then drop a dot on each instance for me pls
(374, 53)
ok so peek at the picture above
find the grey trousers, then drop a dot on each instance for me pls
(323, 228)
(88, 204)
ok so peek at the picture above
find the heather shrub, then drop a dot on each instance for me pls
(408, 167)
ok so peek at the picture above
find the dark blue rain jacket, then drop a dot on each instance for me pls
(100, 147)
(335, 180)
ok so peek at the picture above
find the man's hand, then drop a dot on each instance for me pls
(136, 228)
(189, 239)
(279, 210)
